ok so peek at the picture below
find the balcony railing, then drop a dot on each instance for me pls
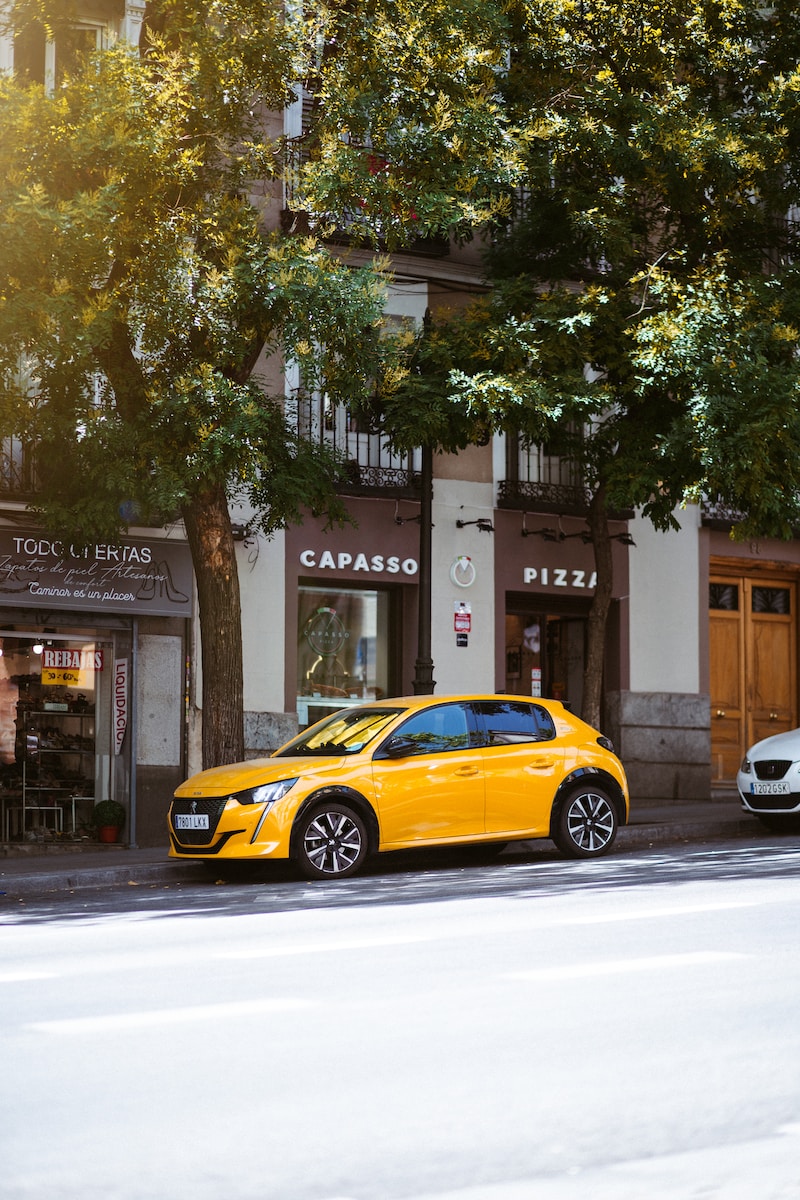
(18, 475)
(369, 467)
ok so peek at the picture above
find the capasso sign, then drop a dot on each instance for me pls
(375, 564)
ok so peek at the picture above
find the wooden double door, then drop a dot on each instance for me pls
(753, 653)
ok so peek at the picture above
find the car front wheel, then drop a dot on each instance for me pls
(332, 842)
(586, 825)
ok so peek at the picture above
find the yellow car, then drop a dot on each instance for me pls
(405, 773)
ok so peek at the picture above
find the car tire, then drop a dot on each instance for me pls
(332, 842)
(780, 823)
(586, 825)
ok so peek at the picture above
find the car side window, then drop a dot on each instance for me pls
(511, 722)
(436, 730)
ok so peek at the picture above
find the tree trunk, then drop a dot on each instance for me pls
(208, 528)
(598, 613)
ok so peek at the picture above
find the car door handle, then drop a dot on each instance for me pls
(467, 770)
(543, 763)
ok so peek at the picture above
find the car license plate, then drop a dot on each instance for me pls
(191, 821)
(779, 788)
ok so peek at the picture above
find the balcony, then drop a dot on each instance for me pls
(18, 475)
(336, 227)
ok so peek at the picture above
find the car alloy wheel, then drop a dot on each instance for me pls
(587, 824)
(332, 842)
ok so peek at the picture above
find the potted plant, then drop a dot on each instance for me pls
(108, 818)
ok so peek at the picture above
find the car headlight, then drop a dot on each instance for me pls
(745, 767)
(265, 793)
(606, 743)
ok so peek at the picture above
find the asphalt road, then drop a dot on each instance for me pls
(532, 1030)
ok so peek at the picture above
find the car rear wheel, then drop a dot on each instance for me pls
(586, 825)
(332, 842)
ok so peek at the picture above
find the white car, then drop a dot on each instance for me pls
(769, 781)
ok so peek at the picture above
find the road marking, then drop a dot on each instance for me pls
(112, 1022)
(25, 976)
(625, 966)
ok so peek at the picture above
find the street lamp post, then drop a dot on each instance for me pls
(424, 683)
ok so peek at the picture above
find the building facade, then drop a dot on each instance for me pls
(100, 662)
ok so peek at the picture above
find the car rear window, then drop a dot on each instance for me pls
(508, 722)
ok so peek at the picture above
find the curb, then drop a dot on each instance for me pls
(75, 878)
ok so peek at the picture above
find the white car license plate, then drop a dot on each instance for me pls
(191, 821)
(779, 788)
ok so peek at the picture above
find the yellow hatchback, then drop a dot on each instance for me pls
(406, 773)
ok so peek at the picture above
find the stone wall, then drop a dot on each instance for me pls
(266, 731)
(664, 741)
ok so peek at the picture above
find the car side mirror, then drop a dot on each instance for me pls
(398, 747)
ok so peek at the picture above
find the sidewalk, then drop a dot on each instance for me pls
(32, 869)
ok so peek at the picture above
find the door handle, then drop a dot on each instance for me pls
(467, 770)
(773, 716)
(543, 763)
(720, 712)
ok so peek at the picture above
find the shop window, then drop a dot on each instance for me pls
(343, 648)
(50, 694)
(545, 656)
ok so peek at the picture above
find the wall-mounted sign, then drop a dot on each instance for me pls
(344, 561)
(120, 702)
(132, 576)
(462, 571)
(561, 577)
(462, 617)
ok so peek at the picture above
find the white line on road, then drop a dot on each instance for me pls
(624, 967)
(111, 1022)
(25, 976)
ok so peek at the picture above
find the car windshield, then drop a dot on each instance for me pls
(346, 732)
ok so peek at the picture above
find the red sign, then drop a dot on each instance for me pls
(462, 621)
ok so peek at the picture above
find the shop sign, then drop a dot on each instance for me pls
(462, 571)
(132, 576)
(70, 668)
(120, 702)
(376, 564)
(572, 578)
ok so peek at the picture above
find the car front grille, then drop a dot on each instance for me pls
(212, 806)
(773, 803)
(772, 768)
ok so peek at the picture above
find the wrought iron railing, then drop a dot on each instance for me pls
(18, 474)
(368, 465)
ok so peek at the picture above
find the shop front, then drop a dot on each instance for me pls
(545, 582)
(351, 612)
(92, 665)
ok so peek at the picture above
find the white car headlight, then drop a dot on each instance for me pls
(745, 767)
(264, 793)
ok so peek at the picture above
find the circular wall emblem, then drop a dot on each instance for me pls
(325, 632)
(462, 571)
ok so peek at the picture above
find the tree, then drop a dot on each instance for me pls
(657, 146)
(143, 277)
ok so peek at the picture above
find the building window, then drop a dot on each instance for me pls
(47, 62)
